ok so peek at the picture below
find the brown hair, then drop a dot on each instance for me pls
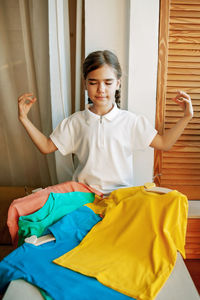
(96, 60)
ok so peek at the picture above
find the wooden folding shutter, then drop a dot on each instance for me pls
(179, 68)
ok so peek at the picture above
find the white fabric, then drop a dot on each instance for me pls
(104, 146)
(63, 86)
(60, 82)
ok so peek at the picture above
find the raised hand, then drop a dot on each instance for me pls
(184, 101)
(25, 102)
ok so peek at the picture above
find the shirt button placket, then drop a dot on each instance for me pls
(101, 133)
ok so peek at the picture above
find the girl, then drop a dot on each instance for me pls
(103, 137)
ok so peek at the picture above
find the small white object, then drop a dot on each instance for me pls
(37, 190)
(194, 209)
(45, 239)
(31, 240)
(158, 189)
(151, 187)
(39, 241)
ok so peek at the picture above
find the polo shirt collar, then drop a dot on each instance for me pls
(109, 116)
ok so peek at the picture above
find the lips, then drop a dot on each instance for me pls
(100, 97)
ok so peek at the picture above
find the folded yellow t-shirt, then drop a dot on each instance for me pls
(134, 248)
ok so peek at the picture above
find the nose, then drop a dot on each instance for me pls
(101, 87)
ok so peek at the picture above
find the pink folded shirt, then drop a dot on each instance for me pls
(31, 203)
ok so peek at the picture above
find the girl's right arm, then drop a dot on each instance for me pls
(44, 144)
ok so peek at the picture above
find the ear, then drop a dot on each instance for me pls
(118, 84)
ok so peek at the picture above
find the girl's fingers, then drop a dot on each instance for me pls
(181, 100)
(28, 96)
(26, 99)
(182, 97)
(184, 101)
(182, 94)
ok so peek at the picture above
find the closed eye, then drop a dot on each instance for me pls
(107, 81)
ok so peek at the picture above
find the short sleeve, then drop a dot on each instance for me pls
(179, 227)
(75, 224)
(143, 133)
(62, 137)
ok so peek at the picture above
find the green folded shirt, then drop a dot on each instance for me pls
(57, 206)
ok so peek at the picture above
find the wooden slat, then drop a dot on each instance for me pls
(180, 46)
(184, 52)
(177, 171)
(180, 177)
(181, 27)
(186, 84)
(192, 256)
(180, 166)
(185, 13)
(187, 90)
(192, 239)
(190, 131)
(183, 71)
(169, 168)
(192, 246)
(185, 2)
(189, 139)
(195, 98)
(183, 160)
(189, 21)
(193, 123)
(182, 58)
(172, 104)
(184, 77)
(194, 132)
(181, 154)
(192, 235)
(186, 64)
(195, 248)
(178, 183)
(173, 107)
(171, 115)
(181, 182)
(186, 40)
(194, 225)
(185, 149)
(184, 33)
(173, 112)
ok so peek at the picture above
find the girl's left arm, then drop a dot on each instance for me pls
(168, 139)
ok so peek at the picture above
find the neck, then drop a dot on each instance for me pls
(101, 110)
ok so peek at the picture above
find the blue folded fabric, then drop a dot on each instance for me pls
(34, 263)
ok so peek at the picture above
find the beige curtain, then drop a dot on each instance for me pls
(24, 66)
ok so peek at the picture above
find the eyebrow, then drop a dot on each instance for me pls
(106, 79)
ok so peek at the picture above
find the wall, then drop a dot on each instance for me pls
(107, 27)
(143, 56)
(130, 29)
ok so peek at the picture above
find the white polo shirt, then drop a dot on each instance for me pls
(104, 146)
